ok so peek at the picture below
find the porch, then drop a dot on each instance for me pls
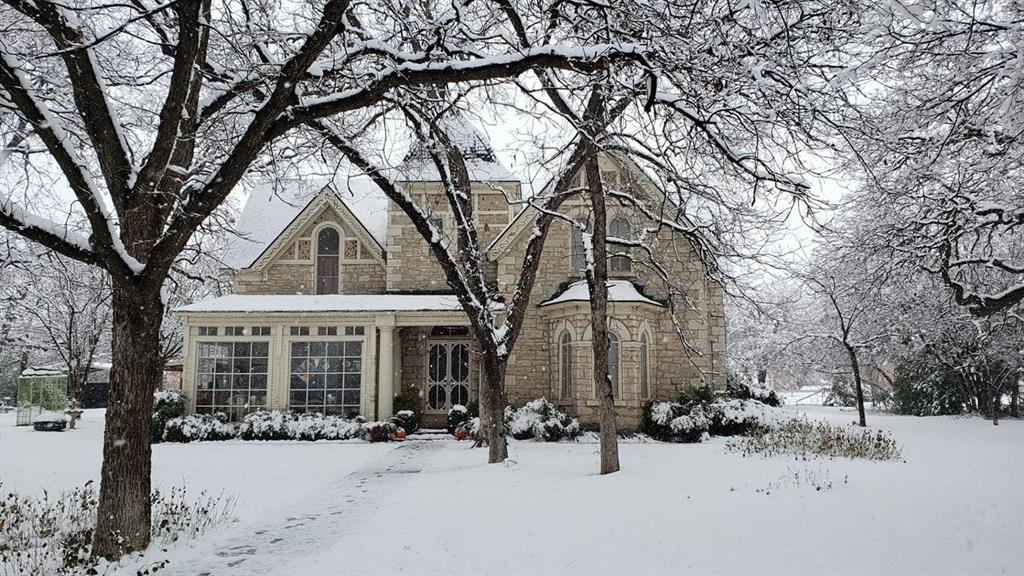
(339, 354)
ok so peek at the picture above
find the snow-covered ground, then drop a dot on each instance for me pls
(432, 507)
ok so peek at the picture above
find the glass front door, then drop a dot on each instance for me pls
(447, 375)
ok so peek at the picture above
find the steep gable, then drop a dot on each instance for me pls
(611, 162)
(273, 215)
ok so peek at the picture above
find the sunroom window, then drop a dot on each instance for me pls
(231, 378)
(326, 377)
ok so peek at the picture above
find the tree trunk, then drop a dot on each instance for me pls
(597, 279)
(996, 401)
(1015, 399)
(492, 409)
(762, 377)
(857, 385)
(124, 504)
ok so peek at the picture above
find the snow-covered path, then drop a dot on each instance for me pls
(262, 547)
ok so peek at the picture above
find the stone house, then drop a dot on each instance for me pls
(338, 306)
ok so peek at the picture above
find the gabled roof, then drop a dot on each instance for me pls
(481, 162)
(271, 209)
(526, 218)
(618, 291)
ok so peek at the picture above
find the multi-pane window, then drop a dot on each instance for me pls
(207, 330)
(613, 362)
(326, 330)
(261, 330)
(565, 350)
(328, 254)
(298, 330)
(619, 228)
(645, 369)
(577, 255)
(355, 330)
(234, 331)
(232, 378)
(326, 377)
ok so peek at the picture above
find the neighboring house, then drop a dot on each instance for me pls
(338, 304)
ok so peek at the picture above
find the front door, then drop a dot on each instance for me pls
(447, 375)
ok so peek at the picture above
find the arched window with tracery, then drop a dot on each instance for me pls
(645, 366)
(565, 365)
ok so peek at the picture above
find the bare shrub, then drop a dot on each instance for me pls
(53, 535)
(806, 440)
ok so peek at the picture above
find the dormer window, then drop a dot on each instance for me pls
(328, 253)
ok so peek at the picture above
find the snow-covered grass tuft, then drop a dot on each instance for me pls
(804, 440)
(44, 535)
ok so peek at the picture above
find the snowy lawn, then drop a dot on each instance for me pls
(263, 476)
(433, 507)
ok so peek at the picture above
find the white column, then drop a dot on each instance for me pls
(386, 372)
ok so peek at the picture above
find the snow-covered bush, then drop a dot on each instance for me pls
(46, 535)
(267, 425)
(406, 420)
(678, 422)
(741, 390)
(311, 426)
(167, 404)
(377, 431)
(804, 439)
(471, 427)
(457, 416)
(540, 420)
(198, 427)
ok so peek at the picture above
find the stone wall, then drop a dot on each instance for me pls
(412, 267)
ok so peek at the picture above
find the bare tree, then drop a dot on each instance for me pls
(69, 303)
(938, 144)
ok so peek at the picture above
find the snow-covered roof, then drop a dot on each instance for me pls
(271, 207)
(481, 162)
(327, 303)
(618, 291)
(42, 372)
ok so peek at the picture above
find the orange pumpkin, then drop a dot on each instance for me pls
(400, 434)
(460, 434)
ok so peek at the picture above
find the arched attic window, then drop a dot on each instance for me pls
(619, 228)
(328, 255)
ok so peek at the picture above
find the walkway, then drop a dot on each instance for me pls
(263, 549)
